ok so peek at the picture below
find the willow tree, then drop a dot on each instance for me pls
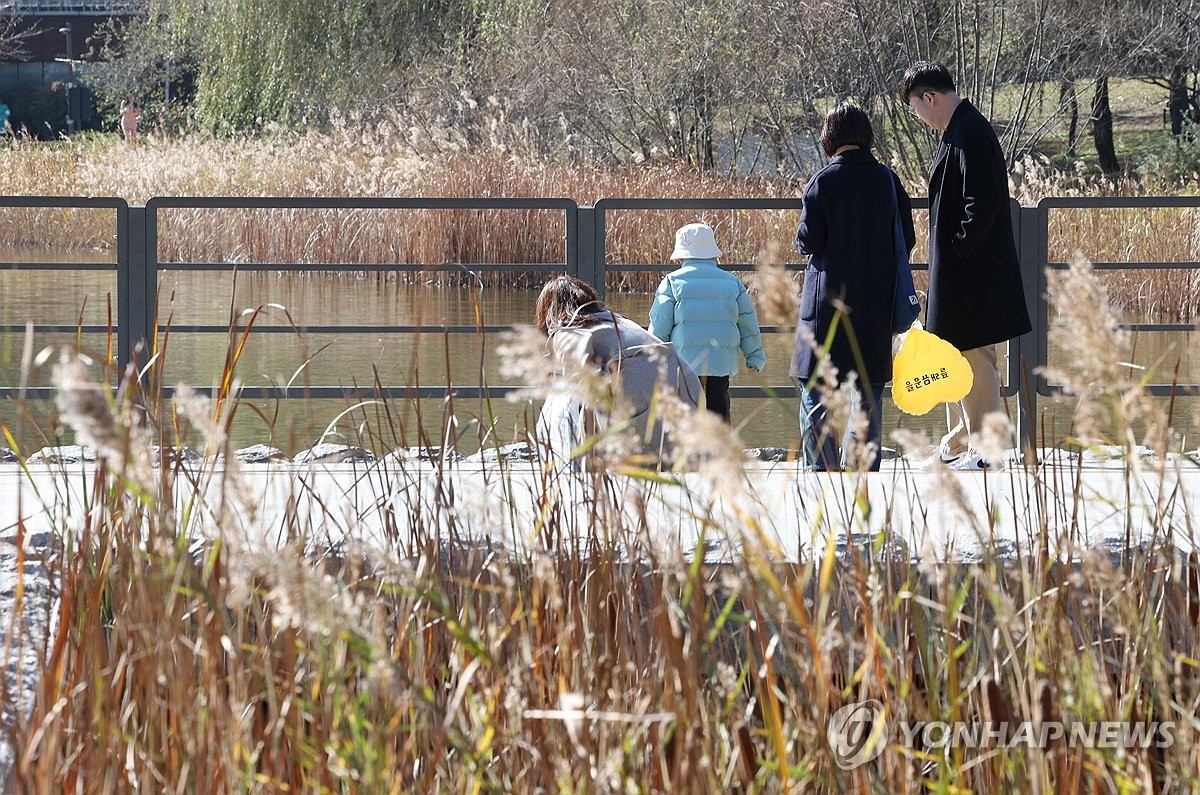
(293, 61)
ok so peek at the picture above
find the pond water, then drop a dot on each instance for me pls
(430, 358)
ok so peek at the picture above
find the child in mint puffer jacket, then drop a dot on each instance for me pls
(707, 315)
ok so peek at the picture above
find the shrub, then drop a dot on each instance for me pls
(42, 111)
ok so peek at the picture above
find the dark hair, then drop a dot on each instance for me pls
(926, 76)
(566, 302)
(846, 124)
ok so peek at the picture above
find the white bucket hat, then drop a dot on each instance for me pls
(695, 241)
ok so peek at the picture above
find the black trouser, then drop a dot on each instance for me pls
(716, 394)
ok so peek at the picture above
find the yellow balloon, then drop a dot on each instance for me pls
(928, 371)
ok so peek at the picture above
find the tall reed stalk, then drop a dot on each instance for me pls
(471, 649)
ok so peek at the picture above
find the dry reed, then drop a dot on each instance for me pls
(395, 159)
(188, 656)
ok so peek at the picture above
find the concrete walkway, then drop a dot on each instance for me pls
(772, 509)
(389, 503)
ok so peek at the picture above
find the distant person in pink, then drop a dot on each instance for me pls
(130, 115)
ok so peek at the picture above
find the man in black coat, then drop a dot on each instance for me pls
(976, 299)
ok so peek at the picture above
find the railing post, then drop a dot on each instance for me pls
(1041, 318)
(1027, 345)
(124, 270)
(600, 254)
(590, 249)
(585, 244)
(571, 255)
(132, 311)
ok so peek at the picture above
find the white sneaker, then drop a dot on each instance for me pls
(946, 459)
(970, 462)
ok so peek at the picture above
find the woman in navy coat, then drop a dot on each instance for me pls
(847, 229)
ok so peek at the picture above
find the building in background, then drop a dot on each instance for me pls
(43, 40)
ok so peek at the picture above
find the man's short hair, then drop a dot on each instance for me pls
(846, 124)
(926, 76)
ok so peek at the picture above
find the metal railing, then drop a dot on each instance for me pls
(585, 254)
(124, 326)
(151, 267)
(1044, 265)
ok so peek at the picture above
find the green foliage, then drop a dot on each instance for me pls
(293, 62)
(42, 111)
(1172, 160)
(144, 58)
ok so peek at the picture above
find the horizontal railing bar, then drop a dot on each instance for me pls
(347, 203)
(1117, 202)
(1111, 266)
(463, 392)
(692, 203)
(1158, 390)
(663, 267)
(176, 328)
(429, 328)
(770, 390)
(1161, 390)
(64, 327)
(82, 7)
(789, 391)
(63, 202)
(700, 204)
(1157, 326)
(729, 266)
(320, 392)
(59, 266)
(517, 268)
(327, 267)
(441, 391)
(32, 392)
(360, 392)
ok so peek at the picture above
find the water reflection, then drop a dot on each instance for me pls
(292, 355)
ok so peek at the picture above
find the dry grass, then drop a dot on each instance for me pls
(590, 656)
(382, 161)
(1122, 235)
(392, 159)
(1137, 235)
